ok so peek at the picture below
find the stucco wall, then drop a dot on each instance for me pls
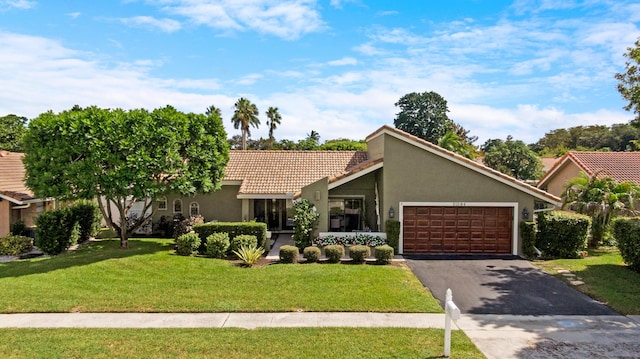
(5, 213)
(555, 185)
(222, 205)
(321, 201)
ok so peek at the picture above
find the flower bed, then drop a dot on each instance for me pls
(371, 239)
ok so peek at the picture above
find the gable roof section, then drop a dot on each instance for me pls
(463, 161)
(12, 172)
(621, 166)
(286, 172)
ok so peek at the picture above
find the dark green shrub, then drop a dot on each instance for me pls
(562, 234)
(243, 240)
(217, 245)
(528, 235)
(359, 253)
(393, 233)
(257, 229)
(311, 254)
(88, 216)
(13, 245)
(187, 244)
(19, 228)
(305, 221)
(334, 253)
(289, 254)
(627, 233)
(56, 231)
(384, 254)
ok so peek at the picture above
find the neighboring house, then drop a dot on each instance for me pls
(446, 203)
(17, 202)
(621, 166)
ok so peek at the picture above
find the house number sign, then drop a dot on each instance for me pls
(459, 204)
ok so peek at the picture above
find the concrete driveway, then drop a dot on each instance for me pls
(502, 286)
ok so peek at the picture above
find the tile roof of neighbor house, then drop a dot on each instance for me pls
(12, 177)
(286, 172)
(621, 166)
(479, 167)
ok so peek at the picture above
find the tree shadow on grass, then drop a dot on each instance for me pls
(93, 252)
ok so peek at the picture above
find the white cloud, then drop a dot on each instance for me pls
(343, 62)
(285, 19)
(18, 4)
(249, 79)
(165, 25)
(74, 15)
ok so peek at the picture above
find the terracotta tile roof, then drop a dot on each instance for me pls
(12, 177)
(286, 172)
(621, 166)
(479, 167)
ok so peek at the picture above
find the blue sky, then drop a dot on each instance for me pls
(520, 68)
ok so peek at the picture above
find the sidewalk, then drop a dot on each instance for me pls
(497, 336)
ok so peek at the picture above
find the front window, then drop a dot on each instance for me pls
(177, 206)
(194, 209)
(162, 203)
(345, 214)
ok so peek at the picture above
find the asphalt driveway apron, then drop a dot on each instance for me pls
(502, 286)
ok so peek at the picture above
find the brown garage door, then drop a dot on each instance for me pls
(457, 229)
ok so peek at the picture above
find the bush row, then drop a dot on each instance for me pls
(59, 229)
(219, 239)
(335, 252)
(562, 234)
(13, 245)
(234, 229)
(627, 233)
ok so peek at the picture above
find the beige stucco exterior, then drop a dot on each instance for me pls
(221, 205)
(555, 184)
(27, 213)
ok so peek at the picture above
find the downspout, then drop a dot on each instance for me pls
(24, 206)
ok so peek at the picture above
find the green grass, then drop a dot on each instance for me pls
(606, 278)
(233, 343)
(148, 277)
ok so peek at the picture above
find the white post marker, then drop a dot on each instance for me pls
(451, 312)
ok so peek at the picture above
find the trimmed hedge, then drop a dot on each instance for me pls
(88, 216)
(289, 254)
(234, 229)
(56, 231)
(217, 245)
(562, 234)
(393, 233)
(243, 240)
(627, 233)
(312, 254)
(384, 254)
(528, 235)
(359, 253)
(19, 228)
(334, 253)
(187, 244)
(13, 245)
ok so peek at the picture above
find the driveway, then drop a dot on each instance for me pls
(502, 286)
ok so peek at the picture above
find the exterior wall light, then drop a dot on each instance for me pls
(525, 214)
(392, 213)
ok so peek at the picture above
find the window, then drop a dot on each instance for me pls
(345, 214)
(177, 206)
(194, 209)
(162, 203)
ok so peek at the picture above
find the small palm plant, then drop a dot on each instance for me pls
(249, 255)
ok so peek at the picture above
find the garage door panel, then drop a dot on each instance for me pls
(440, 229)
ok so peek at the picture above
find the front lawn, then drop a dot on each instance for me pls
(148, 277)
(606, 278)
(233, 343)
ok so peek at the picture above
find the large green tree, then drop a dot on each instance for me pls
(273, 122)
(423, 115)
(513, 158)
(629, 86)
(600, 197)
(12, 128)
(245, 115)
(120, 157)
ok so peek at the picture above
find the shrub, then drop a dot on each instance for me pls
(562, 234)
(88, 216)
(384, 254)
(289, 254)
(217, 245)
(393, 233)
(56, 231)
(185, 226)
(351, 239)
(249, 255)
(187, 244)
(311, 254)
(245, 240)
(528, 235)
(359, 253)
(13, 245)
(257, 229)
(19, 228)
(627, 233)
(334, 253)
(305, 220)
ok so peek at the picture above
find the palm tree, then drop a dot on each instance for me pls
(246, 114)
(453, 142)
(273, 122)
(600, 197)
(212, 110)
